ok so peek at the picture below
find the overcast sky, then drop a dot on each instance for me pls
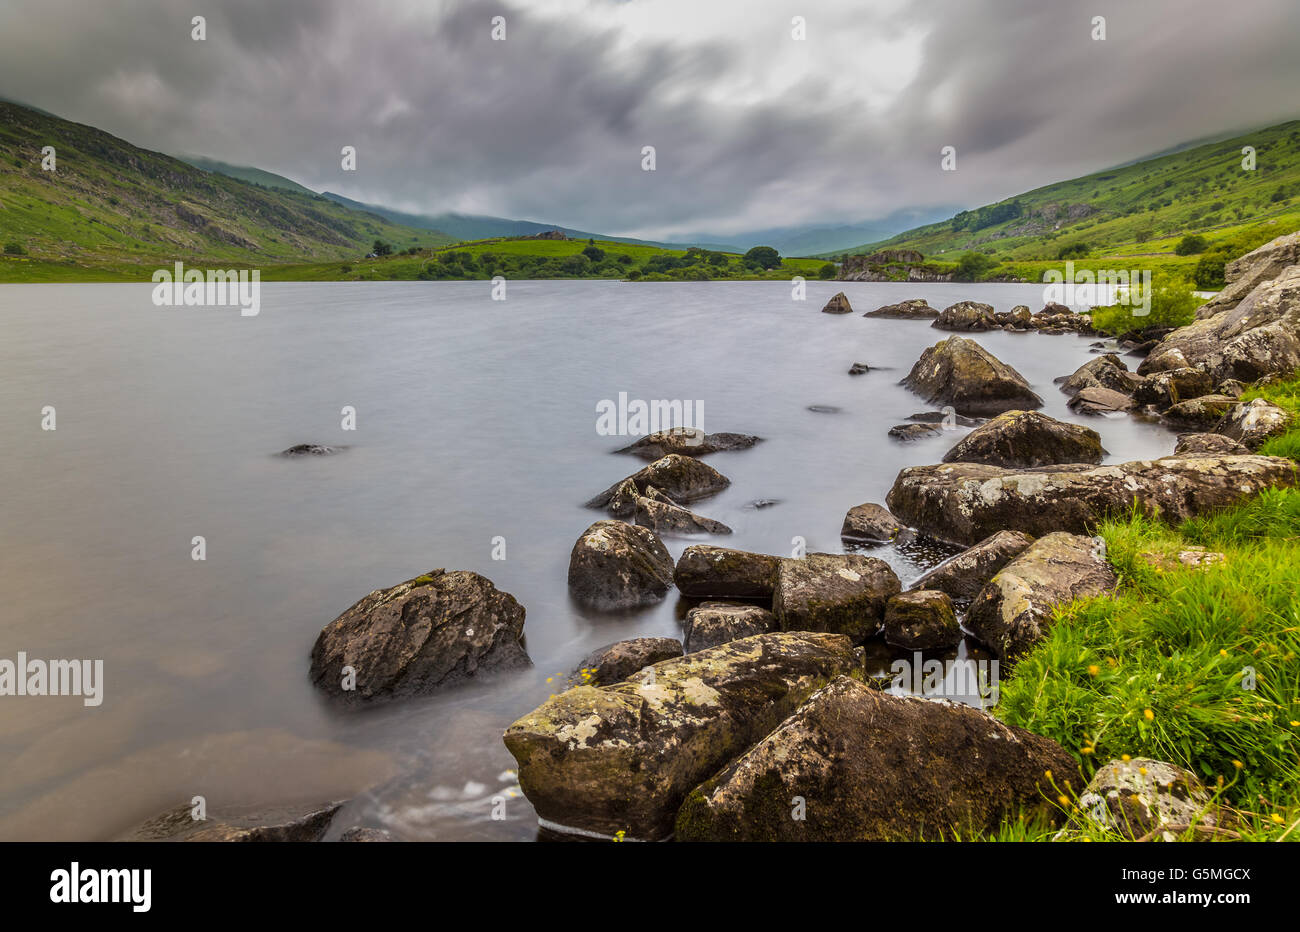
(752, 128)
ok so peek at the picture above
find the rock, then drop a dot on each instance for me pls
(964, 575)
(1230, 387)
(1194, 557)
(1100, 401)
(682, 478)
(622, 757)
(360, 833)
(859, 368)
(434, 630)
(1207, 444)
(655, 495)
(946, 417)
(715, 623)
(1139, 796)
(1165, 389)
(688, 441)
(760, 503)
(922, 619)
(838, 305)
(1253, 422)
(961, 373)
(870, 766)
(1027, 438)
(1246, 273)
(622, 499)
(909, 432)
(1018, 318)
(1014, 609)
(666, 518)
(1106, 371)
(311, 449)
(843, 593)
(871, 523)
(966, 317)
(963, 503)
(286, 824)
(823, 409)
(912, 309)
(619, 565)
(716, 572)
(1256, 337)
(616, 662)
(1203, 412)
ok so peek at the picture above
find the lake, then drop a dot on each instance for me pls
(476, 420)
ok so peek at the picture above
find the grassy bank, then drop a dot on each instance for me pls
(1164, 668)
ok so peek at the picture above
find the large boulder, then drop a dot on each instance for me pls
(715, 623)
(1027, 438)
(622, 758)
(838, 305)
(967, 317)
(1200, 413)
(720, 573)
(962, 503)
(616, 662)
(858, 764)
(1106, 371)
(618, 565)
(1203, 444)
(1256, 337)
(964, 575)
(434, 630)
(687, 441)
(870, 523)
(912, 309)
(922, 619)
(1246, 273)
(1014, 610)
(682, 478)
(1166, 389)
(1251, 423)
(961, 373)
(844, 593)
(667, 518)
(1139, 796)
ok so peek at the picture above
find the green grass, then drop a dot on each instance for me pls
(1159, 668)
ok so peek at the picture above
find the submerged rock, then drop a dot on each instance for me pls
(430, 631)
(623, 757)
(715, 623)
(1027, 438)
(838, 305)
(967, 316)
(964, 575)
(909, 432)
(1013, 612)
(844, 593)
(666, 518)
(311, 449)
(616, 662)
(859, 368)
(922, 619)
(1098, 400)
(870, 766)
(618, 565)
(716, 572)
(911, 309)
(961, 373)
(687, 441)
(963, 503)
(682, 478)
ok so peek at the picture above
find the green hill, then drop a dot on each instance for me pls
(113, 210)
(1140, 210)
(246, 173)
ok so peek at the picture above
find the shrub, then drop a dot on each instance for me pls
(827, 271)
(593, 252)
(1190, 245)
(763, 256)
(15, 248)
(1073, 251)
(1172, 305)
(972, 265)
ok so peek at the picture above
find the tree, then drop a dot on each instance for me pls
(381, 248)
(972, 265)
(1190, 245)
(1073, 251)
(827, 271)
(764, 257)
(593, 252)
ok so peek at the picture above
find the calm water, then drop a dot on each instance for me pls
(476, 419)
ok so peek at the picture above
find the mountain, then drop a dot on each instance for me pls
(246, 173)
(110, 203)
(1129, 209)
(815, 240)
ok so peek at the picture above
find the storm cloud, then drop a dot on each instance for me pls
(751, 127)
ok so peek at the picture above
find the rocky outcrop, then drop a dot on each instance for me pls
(963, 503)
(1200, 413)
(838, 305)
(967, 317)
(912, 309)
(1163, 390)
(1106, 371)
(616, 662)
(858, 764)
(666, 518)
(1014, 610)
(870, 523)
(715, 623)
(1251, 423)
(964, 575)
(961, 373)
(1027, 438)
(682, 478)
(687, 441)
(1206, 444)
(843, 593)
(623, 757)
(263, 825)
(1137, 797)
(618, 565)
(430, 631)
(921, 619)
(1246, 273)
(719, 573)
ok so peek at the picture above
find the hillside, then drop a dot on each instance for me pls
(114, 208)
(1142, 209)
